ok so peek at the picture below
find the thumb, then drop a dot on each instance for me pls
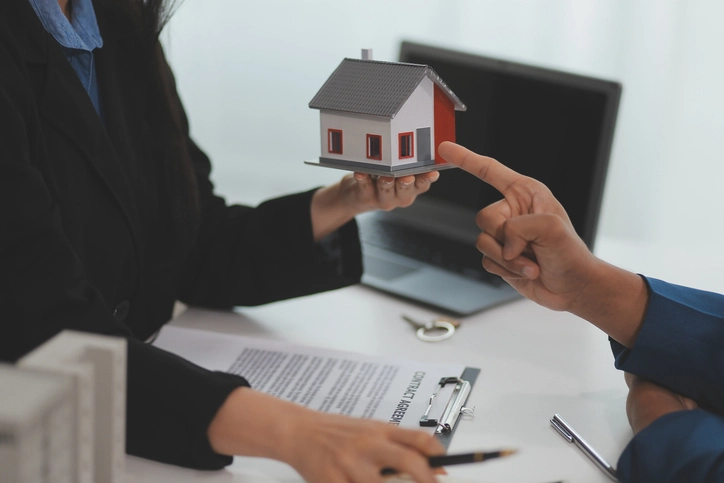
(363, 179)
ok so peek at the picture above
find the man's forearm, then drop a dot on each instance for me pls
(615, 301)
(647, 402)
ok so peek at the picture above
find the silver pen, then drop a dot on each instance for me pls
(572, 437)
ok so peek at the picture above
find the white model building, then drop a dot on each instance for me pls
(384, 117)
(96, 365)
(36, 437)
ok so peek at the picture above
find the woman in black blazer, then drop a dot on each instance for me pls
(106, 220)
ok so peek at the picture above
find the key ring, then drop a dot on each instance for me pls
(434, 331)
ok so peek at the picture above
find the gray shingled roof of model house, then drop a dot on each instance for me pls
(375, 88)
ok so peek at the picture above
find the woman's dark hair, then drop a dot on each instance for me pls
(155, 15)
(149, 17)
(178, 192)
(173, 154)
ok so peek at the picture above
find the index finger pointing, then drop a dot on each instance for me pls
(487, 169)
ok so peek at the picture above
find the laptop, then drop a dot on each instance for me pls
(551, 125)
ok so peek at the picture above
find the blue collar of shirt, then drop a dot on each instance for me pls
(80, 33)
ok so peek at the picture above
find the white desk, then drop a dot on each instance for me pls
(534, 363)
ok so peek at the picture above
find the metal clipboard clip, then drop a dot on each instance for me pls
(454, 407)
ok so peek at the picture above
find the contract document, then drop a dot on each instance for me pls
(397, 391)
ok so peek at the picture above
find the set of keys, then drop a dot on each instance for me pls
(438, 329)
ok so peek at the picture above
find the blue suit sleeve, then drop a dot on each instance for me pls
(679, 347)
(681, 343)
(681, 447)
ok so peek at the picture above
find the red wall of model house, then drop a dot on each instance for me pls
(444, 121)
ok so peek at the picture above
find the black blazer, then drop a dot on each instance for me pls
(92, 237)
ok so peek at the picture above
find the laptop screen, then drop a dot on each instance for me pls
(554, 126)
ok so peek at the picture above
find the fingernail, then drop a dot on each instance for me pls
(406, 183)
(527, 272)
(434, 177)
(359, 176)
(387, 181)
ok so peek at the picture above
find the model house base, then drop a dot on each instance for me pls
(375, 170)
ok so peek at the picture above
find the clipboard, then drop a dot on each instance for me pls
(446, 424)
(388, 389)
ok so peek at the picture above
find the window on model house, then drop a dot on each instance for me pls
(334, 141)
(374, 146)
(406, 149)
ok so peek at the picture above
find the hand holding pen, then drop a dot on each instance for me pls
(459, 459)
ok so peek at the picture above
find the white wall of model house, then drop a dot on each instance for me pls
(417, 112)
(355, 128)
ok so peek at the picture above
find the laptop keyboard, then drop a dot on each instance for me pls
(457, 257)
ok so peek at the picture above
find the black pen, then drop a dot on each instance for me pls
(459, 459)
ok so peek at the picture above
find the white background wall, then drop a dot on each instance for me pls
(247, 70)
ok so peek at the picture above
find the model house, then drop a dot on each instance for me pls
(35, 427)
(384, 117)
(96, 367)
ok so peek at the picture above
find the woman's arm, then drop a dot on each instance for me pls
(321, 447)
(251, 256)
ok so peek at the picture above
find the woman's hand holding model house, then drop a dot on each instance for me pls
(335, 205)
